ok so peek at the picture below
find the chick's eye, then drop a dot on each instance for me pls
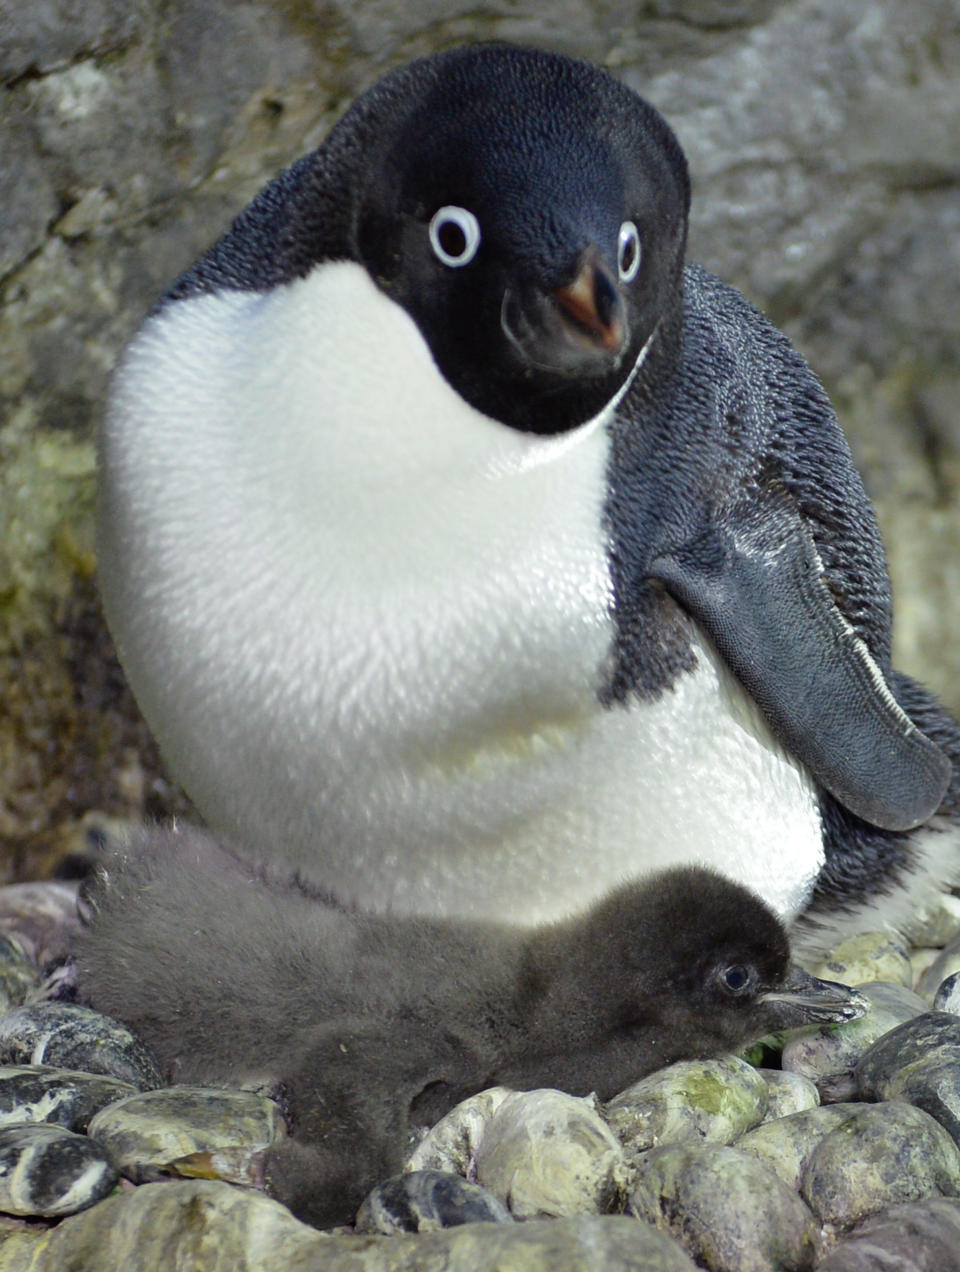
(454, 235)
(628, 252)
(736, 978)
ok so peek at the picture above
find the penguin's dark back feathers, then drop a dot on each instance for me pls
(740, 407)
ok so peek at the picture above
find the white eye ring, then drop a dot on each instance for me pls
(454, 235)
(628, 252)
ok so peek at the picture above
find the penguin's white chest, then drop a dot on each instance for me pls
(369, 625)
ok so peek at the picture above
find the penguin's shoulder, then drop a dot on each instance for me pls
(798, 443)
(766, 418)
(305, 215)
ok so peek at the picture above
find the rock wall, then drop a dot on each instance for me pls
(823, 143)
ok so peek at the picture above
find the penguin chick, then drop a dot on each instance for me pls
(469, 551)
(373, 1024)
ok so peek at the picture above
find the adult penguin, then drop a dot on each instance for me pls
(464, 544)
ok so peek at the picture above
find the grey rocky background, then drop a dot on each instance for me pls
(823, 143)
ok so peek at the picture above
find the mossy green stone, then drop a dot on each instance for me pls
(693, 1100)
(213, 1227)
(729, 1211)
(884, 1155)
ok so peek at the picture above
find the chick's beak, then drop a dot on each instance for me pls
(802, 999)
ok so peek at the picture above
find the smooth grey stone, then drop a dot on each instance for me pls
(947, 997)
(18, 1244)
(867, 957)
(921, 1236)
(427, 1200)
(548, 1153)
(19, 975)
(729, 1211)
(693, 1100)
(213, 1227)
(884, 1155)
(451, 1144)
(919, 1063)
(943, 966)
(145, 1134)
(788, 1093)
(70, 1037)
(922, 957)
(785, 1145)
(40, 917)
(904, 1046)
(197, 1225)
(65, 1097)
(48, 1171)
(828, 1055)
(941, 922)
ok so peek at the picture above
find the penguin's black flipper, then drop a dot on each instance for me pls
(755, 583)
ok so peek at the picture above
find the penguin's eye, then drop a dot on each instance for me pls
(454, 235)
(628, 252)
(737, 978)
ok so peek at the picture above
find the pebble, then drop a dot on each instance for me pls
(179, 1224)
(944, 965)
(828, 1054)
(729, 1211)
(882, 1155)
(451, 1145)
(40, 1093)
(787, 1093)
(20, 977)
(216, 1228)
(427, 1200)
(541, 1153)
(868, 956)
(715, 1100)
(920, 960)
(786, 1144)
(548, 1153)
(145, 1134)
(919, 1063)
(49, 1171)
(920, 1236)
(71, 1037)
(947, 997)
(940, 922)
(41, 918)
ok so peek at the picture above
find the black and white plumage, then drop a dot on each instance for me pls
(373, 1024)
(474, 553)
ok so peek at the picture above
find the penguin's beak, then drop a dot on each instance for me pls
(578, 329)
(801, 999)
(592, 305)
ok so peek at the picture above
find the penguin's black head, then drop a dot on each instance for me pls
(529, 212)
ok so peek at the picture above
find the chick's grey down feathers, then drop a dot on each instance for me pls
(374, 1024)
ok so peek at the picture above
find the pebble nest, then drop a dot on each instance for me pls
(834, 1148)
